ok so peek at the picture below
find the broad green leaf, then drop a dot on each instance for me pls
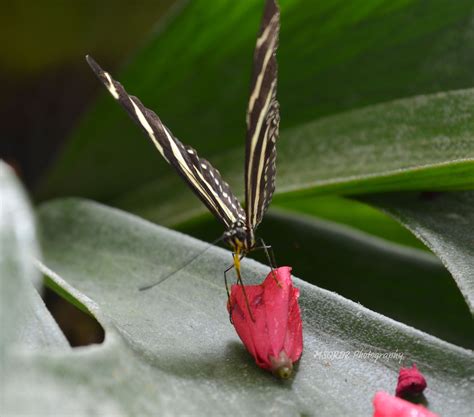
(419, 143)
(172, 351)
(408, 285)
(333, 55)
(25, 321)
(352, 213)
(445, 223)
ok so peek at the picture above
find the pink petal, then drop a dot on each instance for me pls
(276, 328)
(293, 345)
(276, 297)
(410, 381)
(386, 405)
(240, 315)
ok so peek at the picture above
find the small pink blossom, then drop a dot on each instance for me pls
(410, 381)
(274, 335)
(386, 405)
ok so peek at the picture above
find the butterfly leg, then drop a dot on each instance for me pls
(238, 256)
(226, 282)
(239, 278)
(233, 265)
(228, 292)
(270, 258)
(269, 253)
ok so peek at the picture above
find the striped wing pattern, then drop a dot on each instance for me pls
(203, 179)
(263, 117)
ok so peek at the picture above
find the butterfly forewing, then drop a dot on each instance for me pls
(203, 179)
(263, 117)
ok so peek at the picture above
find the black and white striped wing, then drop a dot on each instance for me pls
(203, 179)
(263, 117)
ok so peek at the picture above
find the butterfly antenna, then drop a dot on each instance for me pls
(189, 261)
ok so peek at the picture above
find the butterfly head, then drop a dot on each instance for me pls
(240, 238)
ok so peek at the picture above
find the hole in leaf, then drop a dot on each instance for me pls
(79, 327)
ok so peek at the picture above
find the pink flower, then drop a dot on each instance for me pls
(274, 337)
(410, 381)
(386, 405)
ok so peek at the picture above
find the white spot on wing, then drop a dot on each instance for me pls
(261, 162)
(144, 122)
(264, 36)
(111, 87)
(258, 83)
(189, 174)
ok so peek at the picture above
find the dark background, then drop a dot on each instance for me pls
(46, 83)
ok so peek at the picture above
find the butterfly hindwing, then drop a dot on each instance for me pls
(263, 117)
(200, 175)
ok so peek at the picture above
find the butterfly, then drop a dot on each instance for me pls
(263, 117)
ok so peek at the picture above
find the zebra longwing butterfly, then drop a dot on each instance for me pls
(262, 133)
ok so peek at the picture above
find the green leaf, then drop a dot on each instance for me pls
(172, 350)
(26, 322)
(334, 56)
(445, 223)
(352, 213)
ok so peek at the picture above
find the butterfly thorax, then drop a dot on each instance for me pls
(240, 237)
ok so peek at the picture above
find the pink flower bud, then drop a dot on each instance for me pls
(410, 381)
(386, 405)
(274, 335)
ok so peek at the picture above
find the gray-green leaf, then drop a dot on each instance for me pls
(25, 320)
